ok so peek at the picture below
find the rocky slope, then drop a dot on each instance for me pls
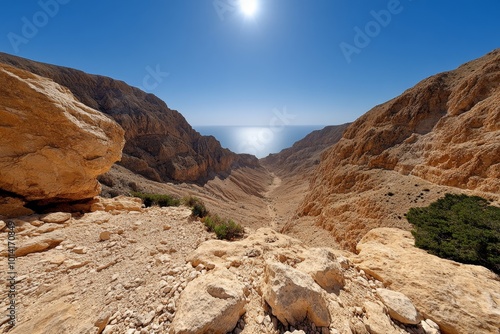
(304, 155)
(442, 135)
(160, 144)
(53, 147)
(123, 269)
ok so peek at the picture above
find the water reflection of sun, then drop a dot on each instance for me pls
(258, 141)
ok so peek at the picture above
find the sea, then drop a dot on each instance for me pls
(257, 140)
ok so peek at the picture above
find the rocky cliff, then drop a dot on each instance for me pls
(160, 144)
(441, 135)
(52, 146)
(305, 154)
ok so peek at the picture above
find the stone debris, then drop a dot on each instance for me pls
(182, 280)
(104, 235)
(56, 217)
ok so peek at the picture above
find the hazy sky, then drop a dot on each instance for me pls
(318, 61)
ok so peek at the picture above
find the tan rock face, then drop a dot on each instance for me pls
(294, 296)
(459, 298)
(119, 203)
(210, 304)
(53, 147)
(160, 144)
(445, 132)
(324, 268)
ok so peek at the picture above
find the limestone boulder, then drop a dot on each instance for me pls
(459, 298)
(119, 203)
(53, 146)
(212, 303)
(377, 321)
(294, 296)
(400, 307)
(322, 265)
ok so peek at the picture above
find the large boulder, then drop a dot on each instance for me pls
(53, 147)
(400, 307)
(459, 298)
(212, 303)
(294, 296)
(323, 267)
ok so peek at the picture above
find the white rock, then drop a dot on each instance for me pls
(377, 321)
(322, 265)
(294, 296)
(212, 303)
(400, 307)
(429, 327)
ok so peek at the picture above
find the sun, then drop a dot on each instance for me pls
(248, 7)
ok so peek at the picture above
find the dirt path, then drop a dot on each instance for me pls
(270, 201)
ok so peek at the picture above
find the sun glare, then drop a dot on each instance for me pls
(248, 7)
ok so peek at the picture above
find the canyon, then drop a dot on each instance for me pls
(324, 219)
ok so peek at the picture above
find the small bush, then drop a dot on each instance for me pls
(460, 228)
(157, 199)
(197, 206)
(225, 229)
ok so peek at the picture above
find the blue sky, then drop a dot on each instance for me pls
(225, 68)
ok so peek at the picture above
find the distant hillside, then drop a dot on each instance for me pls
(444, 133)
(160, 144)
(305, 153)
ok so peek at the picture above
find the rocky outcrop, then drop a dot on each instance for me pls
(323, 266)
(53, 147)
(210, 304)
(294, 296)
(119, 203)
(459, 298)
(305, 154)
(160, 144)
(159, 271)
(443, 132)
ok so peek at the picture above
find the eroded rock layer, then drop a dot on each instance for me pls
(52, 146)
(445, 131)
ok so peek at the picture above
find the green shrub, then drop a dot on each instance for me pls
(191, 201)
(460, 228)
(197, 206)
(157, 199)
(225, 229)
